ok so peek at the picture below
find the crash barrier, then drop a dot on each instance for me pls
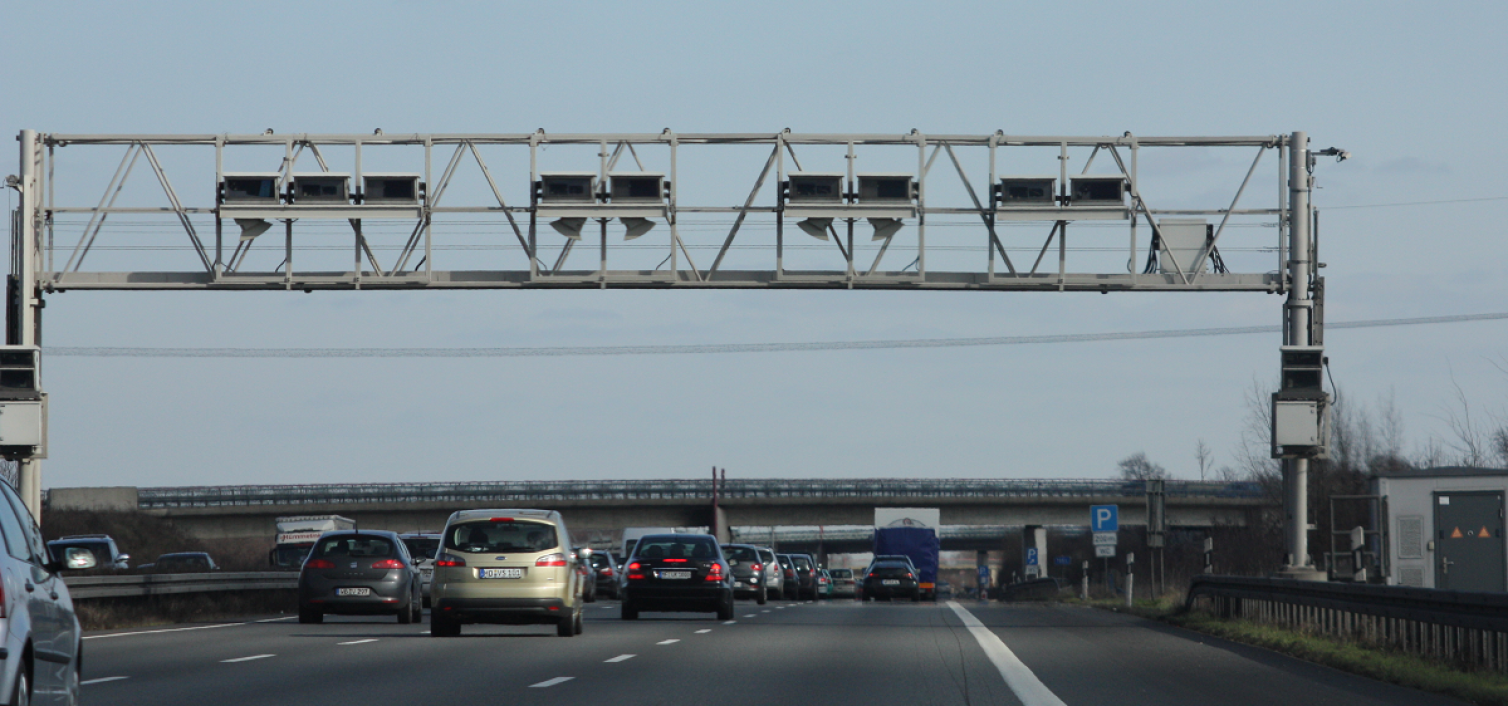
(118, 586)
(1034, 590)
(1465, 628)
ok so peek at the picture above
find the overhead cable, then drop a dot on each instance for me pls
(706, 348)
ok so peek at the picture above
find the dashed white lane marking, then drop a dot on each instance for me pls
(619, 658)
(751, 615)
(551, 682)
(667, 642)
(358, 642)
(245, 659)
(764, 611)
(729, 622)
(1027, 687)
(699, 632)
(154, 632)
(423, 632)
(780, 607)
(101, 680)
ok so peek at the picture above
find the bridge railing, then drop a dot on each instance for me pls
(1455, 626)
(683, 489)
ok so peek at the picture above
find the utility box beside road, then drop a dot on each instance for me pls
(1444, 527)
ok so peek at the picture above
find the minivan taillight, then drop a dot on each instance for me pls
(450, 560)
(319, 564)
(556, 559)
(388, 564)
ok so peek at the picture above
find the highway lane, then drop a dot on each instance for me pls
(786, 653)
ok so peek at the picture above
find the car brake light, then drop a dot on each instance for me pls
(319, 564)
(388, 564)
(909, 576)
(635, 571)
(556, 559)
(674, 561)
(502, 519)
(715, 572)
(757, 567)
(450, 560)
(606, 572)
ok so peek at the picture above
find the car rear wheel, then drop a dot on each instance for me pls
(916, 598)
(310, 614)
(725, 610)
(763, 597)
(630, 611)
(22, 697)
(566, 627)
(580, 623)
(406, 613)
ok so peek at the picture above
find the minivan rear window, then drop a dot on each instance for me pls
(736, 553)
(354, 545)
(671, 546)
(488, 536)
(842, 573)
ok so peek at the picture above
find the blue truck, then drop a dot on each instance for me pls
(920, 545)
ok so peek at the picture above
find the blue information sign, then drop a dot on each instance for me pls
(1104, 518)
(1064, 560)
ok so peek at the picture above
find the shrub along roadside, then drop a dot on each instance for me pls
(146, 611)
(1373, 661)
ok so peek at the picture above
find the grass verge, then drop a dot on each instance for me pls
(1378, 662)
(149, 611)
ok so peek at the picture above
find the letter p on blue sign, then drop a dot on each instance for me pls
(1104, 518)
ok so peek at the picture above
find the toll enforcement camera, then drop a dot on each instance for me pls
(1301, 407)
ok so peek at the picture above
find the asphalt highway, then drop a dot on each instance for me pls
(782, 653)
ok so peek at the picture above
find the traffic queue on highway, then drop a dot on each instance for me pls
(518, 567)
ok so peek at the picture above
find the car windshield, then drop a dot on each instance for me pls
(599, 561)
(842, 573)
(422, 547)
(354, 545)
(785, 561)
(671, 546)
(747, 555)
(511, 536)
(101, 550)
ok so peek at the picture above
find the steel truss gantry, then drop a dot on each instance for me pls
(42, 261)
(539, 257)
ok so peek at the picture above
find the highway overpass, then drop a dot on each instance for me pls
(247, 511)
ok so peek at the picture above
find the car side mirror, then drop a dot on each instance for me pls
(76, 559)
(124, 557)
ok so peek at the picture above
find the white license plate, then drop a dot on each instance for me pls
(673, 574)
(426, 572)
(500, 573)
(891, 582)
(353, 591)
(738, 584)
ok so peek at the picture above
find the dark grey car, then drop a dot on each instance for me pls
(748, 572)
(353, 572)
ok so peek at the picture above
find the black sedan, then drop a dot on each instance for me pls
(354, 572)
(891, 579)
(678, 572)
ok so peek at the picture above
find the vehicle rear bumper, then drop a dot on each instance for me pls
(514, 611)
(684, 598)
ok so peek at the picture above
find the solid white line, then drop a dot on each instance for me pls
(667, 642)
(358, 642)
(551, 682)
(274, 620)
(699, 632)
(245, 659)
(1027, 687)
(154, 632)
(101, 680)
(730, 622)
(619, 658)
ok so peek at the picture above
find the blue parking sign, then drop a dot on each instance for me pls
(1104, 518)
(1031, 556)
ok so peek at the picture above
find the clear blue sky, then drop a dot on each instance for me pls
(1410, 89)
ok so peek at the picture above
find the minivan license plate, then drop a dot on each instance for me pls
(353, 591)
(500, 573)
(675, 574)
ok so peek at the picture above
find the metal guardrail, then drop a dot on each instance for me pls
(783, 536)
(1456, 626)
(682, 489)
(127, 585)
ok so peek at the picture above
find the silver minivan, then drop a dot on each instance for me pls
(509, 567)
(43, 645)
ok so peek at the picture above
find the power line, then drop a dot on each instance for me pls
(694, 349)
(1415, 203)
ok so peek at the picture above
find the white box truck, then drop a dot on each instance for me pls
(296, 536)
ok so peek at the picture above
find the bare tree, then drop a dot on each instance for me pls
(1138, 467)
(1205, 458)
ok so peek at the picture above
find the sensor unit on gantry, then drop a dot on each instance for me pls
(259, 188)
(320, 188)
(391, 188)
(568, 187)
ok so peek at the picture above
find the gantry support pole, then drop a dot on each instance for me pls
(1298, 309)
(26, 304)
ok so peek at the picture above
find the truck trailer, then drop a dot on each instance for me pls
(296, 536)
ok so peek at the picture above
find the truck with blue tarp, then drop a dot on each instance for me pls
(920, 545)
